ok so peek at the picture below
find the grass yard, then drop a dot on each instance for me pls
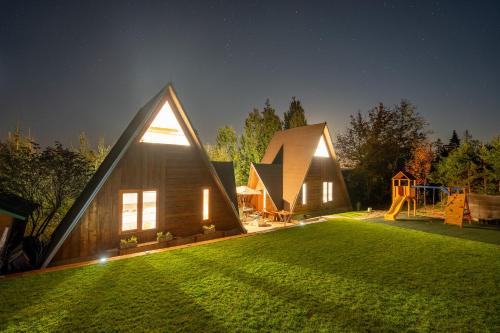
(341, 275)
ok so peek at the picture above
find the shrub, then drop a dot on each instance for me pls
(208, 228)
(164, 236)
(128, 243)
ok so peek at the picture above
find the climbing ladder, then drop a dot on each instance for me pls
(457, 209)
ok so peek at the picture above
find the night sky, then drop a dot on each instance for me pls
(73, 66)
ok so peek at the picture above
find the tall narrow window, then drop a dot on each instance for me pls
(304, 193)
(129, 211)
(148, 210)
(330, 191)
(325, 192)
(206, 198)
(265, 199)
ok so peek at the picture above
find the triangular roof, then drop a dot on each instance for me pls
(404, 175)
(298, 145)
(15, 206)
(225, 171)
(271, 176)
(132, 133)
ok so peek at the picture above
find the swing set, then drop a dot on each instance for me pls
(404, 190)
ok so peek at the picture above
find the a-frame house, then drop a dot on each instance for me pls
(300, 173)
(157, 177)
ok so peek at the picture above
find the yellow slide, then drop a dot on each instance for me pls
(397, 204)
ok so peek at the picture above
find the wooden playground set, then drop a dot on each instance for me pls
(404, 190)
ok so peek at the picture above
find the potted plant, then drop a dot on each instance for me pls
(164, 236)
(128, 243)
(208, 229)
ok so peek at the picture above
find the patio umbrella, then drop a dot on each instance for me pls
(244, 193)
(245, 190)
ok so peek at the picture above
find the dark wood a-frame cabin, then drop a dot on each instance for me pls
(300, 173)
(157, 177)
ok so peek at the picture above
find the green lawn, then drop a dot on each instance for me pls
(341, 275)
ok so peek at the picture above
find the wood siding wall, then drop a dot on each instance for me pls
(177, 173)
(322, 170)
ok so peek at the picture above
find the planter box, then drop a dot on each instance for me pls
(181, 241)
(164, 240)
(128, 246)
(208, 231)
(209, 236)
(141, 247)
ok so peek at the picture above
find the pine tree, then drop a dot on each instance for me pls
(295, 116)
(226, 145)
(454, 141)
(271, 123)
(248, 147)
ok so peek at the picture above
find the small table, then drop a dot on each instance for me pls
(247, 211)
(284, 216)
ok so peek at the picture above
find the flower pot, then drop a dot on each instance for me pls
(128, 245)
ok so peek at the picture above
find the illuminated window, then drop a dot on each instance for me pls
(148, 210)
(304, 193)
(321, 150)
(325, 192)
(330, 191)
(139, 210)
(265, 199)
(129, 211)
(206, 195)
(165, 129)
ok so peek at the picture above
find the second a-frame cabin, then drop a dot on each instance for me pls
(156, 178)
(299, 174)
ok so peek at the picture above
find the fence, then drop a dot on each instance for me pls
(484, 207)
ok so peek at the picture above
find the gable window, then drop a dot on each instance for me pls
(138, 210)
(322, 149)
(304, 193)
(327, 192)
(165, 129)
(206, 198)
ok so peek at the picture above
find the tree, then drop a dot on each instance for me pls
(226, 145)
(295, 116)
(454, 141)
(95, 157)
(52, 178)
(249, 146)
(453, 144)
(490, 158)
(377, 145)
(458, 168)
(271, 123)
(420, 162)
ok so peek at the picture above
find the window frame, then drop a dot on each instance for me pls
(330, 191)
(140, 195)
(209, 208)
(327, 191)
(304, 194)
